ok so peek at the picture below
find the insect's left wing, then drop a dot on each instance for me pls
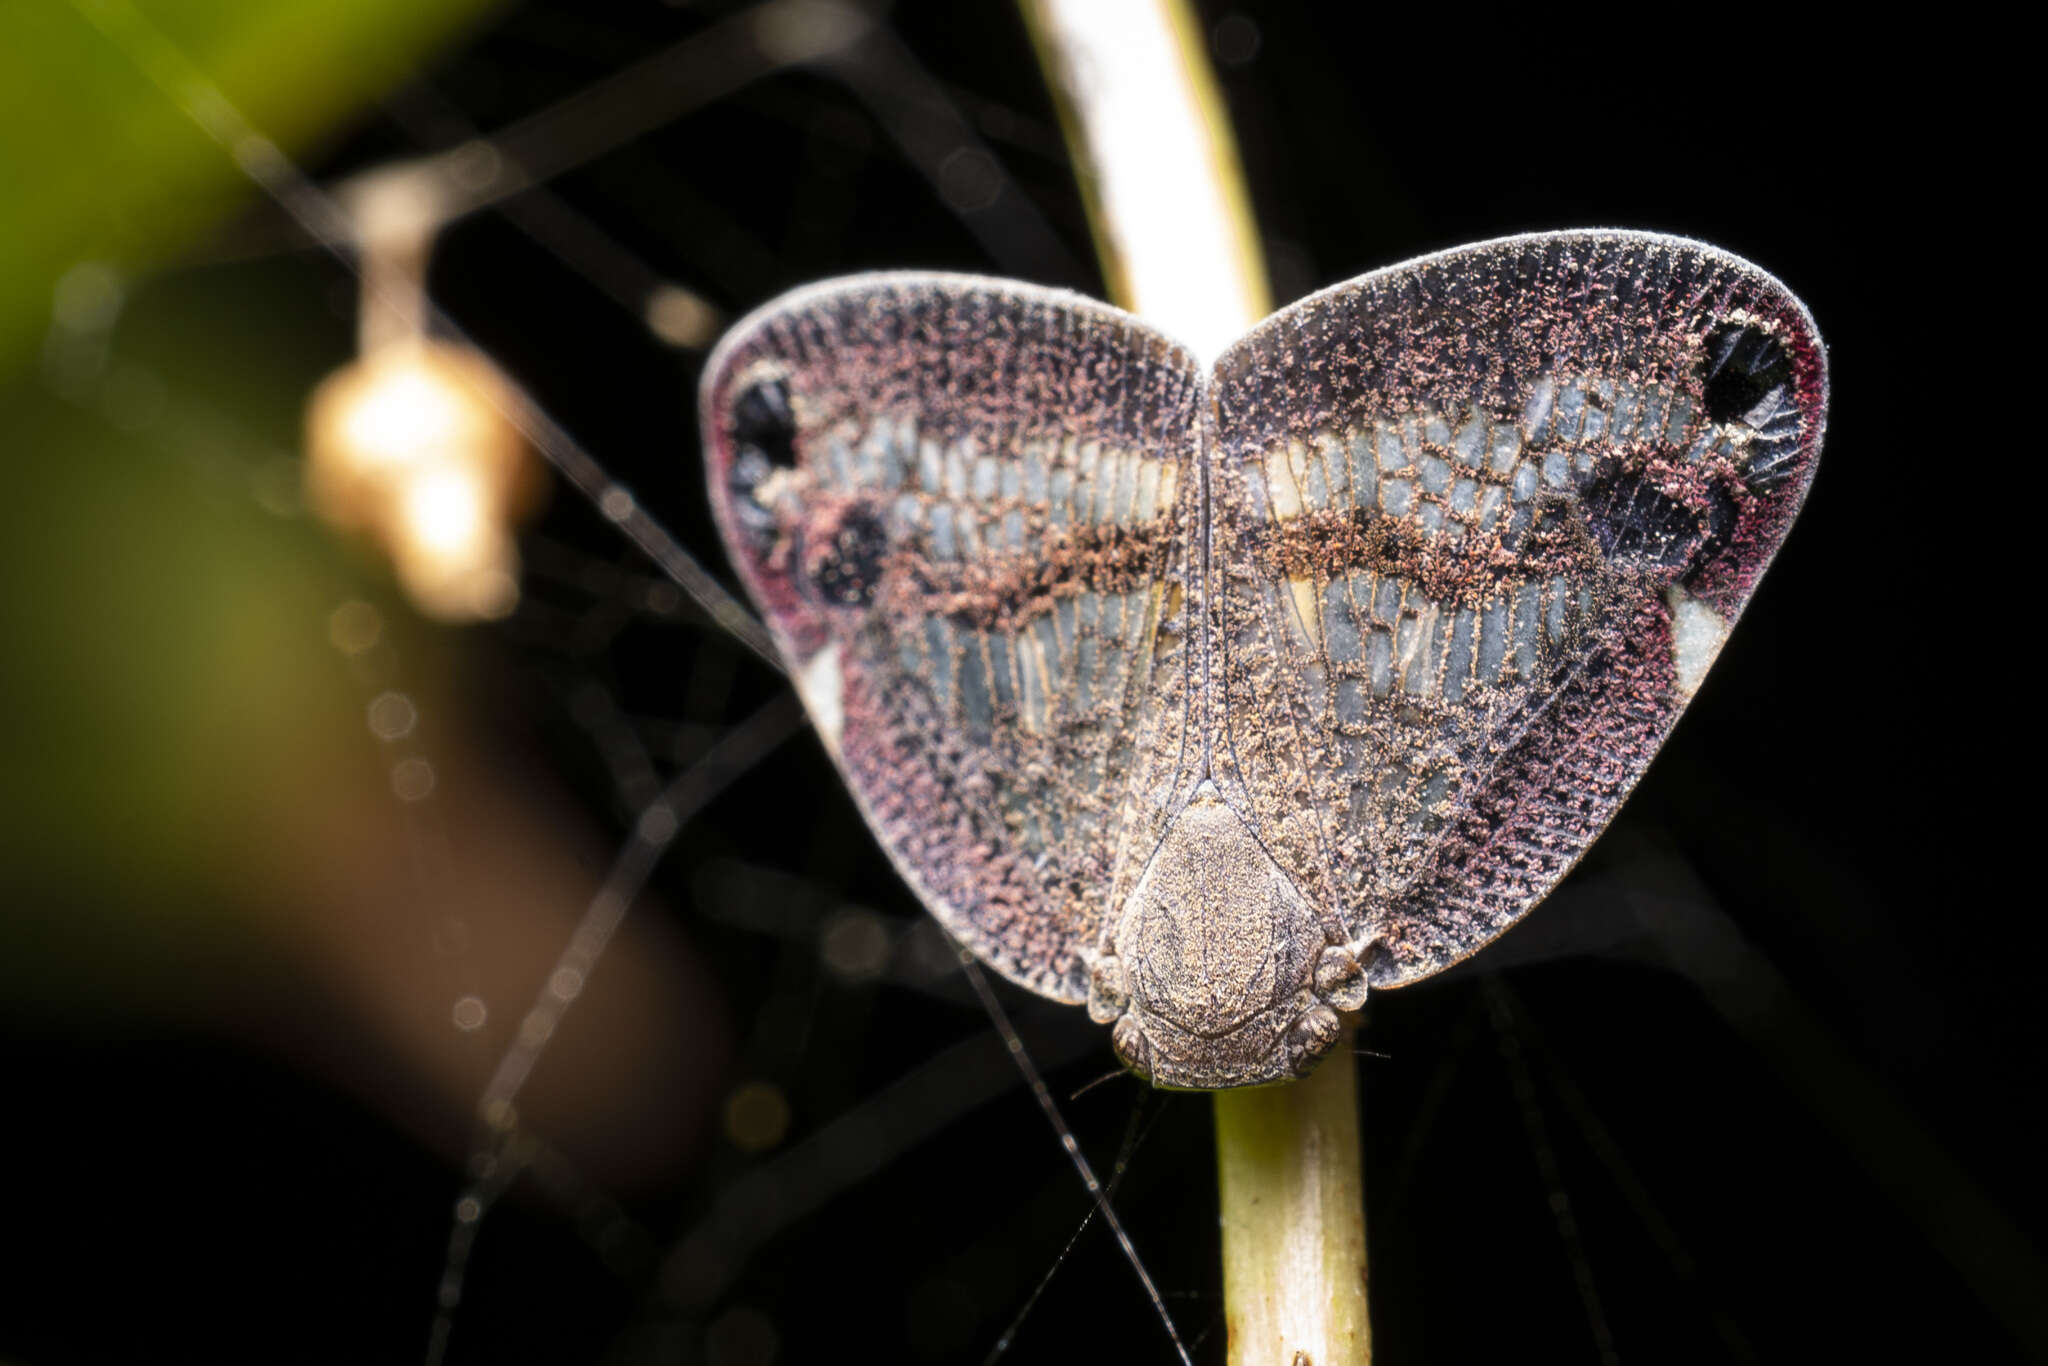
(962, 506)
(1481, 523)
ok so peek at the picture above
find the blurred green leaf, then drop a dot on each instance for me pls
(97, 163)
(168, 680)
(173, 701)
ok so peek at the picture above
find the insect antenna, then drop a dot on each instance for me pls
(1086, 1087)
(1043, 1095)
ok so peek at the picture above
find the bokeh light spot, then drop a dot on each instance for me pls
(657, 823)
(354, 627)
(757, 1116)
(412, 779)
(1236, 39)
(87, 298)
(681, 318)
(392, 716)
(855, 945)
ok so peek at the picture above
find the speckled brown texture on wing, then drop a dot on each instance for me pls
(1479, 524)
(963, 506)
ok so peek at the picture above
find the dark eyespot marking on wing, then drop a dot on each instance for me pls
(1747, 377)
(763, 421)
(1640, 524)
(844, 555)
(1743, 372)
(763, 441)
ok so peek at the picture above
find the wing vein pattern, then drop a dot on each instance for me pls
(1488, 515)
(965, 506)
(1417, 579)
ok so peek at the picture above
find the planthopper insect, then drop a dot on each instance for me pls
(1212, 697)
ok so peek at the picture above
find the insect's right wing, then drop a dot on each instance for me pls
(963, 507)
(1481, 523)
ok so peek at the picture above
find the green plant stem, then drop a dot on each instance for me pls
(1292, 1191)
(1288, 1158)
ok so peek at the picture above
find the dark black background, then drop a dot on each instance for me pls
(1776, 1042)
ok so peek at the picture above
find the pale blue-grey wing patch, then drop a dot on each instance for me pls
(1481, 522)
(963, 507)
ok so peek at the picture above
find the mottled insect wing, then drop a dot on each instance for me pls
(1417, 579)
(1480, 523)
(964, 508)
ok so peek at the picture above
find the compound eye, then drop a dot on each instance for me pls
(1129, 1042)
(1310, 1037)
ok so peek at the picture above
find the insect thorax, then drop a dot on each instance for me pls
(1216, 959)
